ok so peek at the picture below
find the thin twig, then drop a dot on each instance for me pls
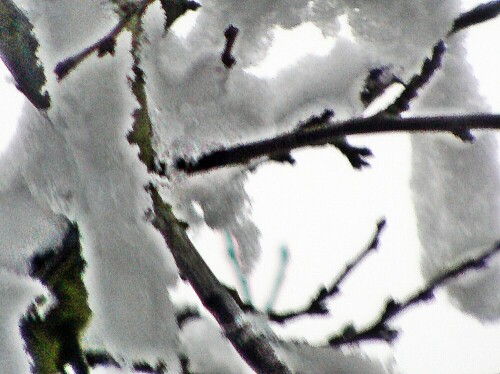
(481, 13)
(226, 57)
(244, 153)
(317, 305)
(104, 45)
(376, 83)
(380, 330)
(356, 155)
(417, 82)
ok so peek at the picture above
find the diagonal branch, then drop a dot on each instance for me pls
(254, 348)
(380, 330)
(242, 154)
(418, 81)
(479, 14)
(317, 305)
(107, 43)
(18, 47)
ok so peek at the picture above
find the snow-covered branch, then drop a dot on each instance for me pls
(253, 347)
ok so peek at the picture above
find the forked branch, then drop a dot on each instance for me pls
(317, 305)
(380, 330)
(242, 154)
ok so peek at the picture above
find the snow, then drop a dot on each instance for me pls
(17, 293)
(75, 161)
(12, 99)
(455, 190)
(315, 360)
(209, 351)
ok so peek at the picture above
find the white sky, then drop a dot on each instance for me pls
(313, 208)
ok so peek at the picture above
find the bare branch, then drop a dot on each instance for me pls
(380, 330)
(104, 45)
(429, 67)
(317, 305)
(244, 153)
(227, 58)
(481, 13)
(185, 314)
(253, 347)
(355, 155)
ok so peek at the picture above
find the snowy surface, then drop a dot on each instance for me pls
(16, 294)
(74, 160)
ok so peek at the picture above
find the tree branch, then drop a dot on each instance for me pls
(479, 14)
(317, 305)
(18, 47)
(107, 43)
(380, 330)
(96, 358)
(418, 81)
(253, 348)
(322, 132)
(243, 153)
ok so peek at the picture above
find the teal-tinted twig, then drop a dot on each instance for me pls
(279, 278)
(241, 277)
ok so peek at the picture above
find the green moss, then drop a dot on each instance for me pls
(18, 47)
(42, 346)
(54, 339)
(142, 132)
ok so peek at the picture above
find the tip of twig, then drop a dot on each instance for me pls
(227, 58)
(464, 135)
(181, 164)
(479, 14)
(64, 67)
(381, 224)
